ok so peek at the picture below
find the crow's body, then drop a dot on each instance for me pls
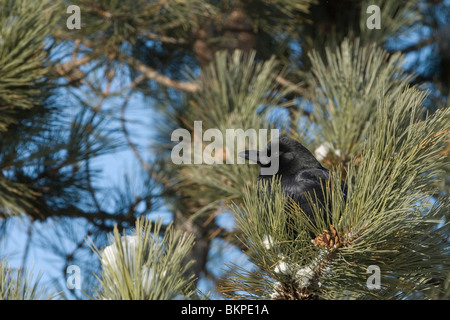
(300, 172)
(297, 186)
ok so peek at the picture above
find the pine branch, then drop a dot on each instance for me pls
(305, 93)
(152, 74)
(144, 266)
(165, 39)
(387, 221)
(70, 70)
(21, 285)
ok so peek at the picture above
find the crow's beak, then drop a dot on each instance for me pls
(255, 156)
(249, 155)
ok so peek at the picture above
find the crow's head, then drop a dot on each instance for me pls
(291, 155)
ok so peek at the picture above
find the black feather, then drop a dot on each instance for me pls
(299, 171)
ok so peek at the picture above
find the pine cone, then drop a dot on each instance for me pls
(290, 291)
(334, 239)
(330, 238)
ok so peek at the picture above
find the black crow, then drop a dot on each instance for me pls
(300, 172)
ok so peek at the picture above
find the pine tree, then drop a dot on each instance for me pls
(312, 69)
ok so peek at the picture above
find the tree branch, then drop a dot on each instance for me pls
(165, 39)
(297, 89)
(67, 68)
(133, 147)
(418, 46)
(152, 74)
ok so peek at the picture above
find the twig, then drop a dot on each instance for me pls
(27, 246)
(418, 45)
(152, 74)
(67, 67)
(133, 147)
(429, 142)
(164, 39)
(286, 83)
